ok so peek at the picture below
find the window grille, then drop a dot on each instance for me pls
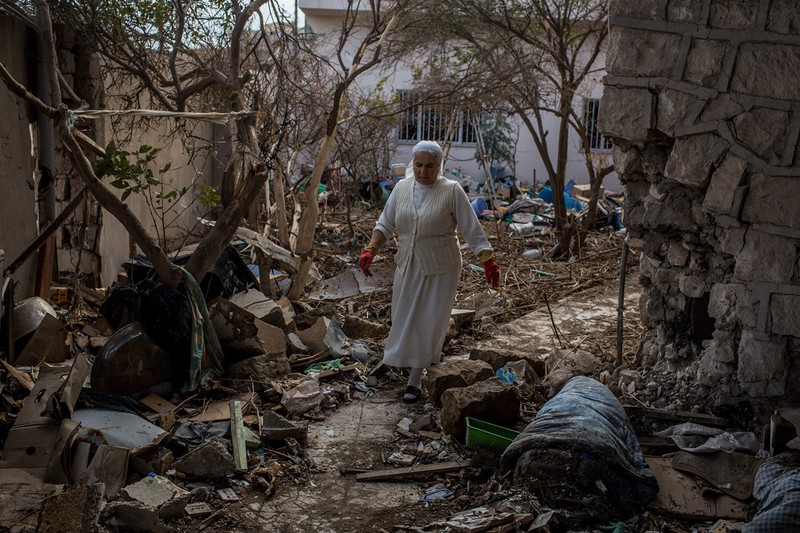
(597, 143)
(438, 123)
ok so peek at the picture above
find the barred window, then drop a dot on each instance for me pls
(438, 123)
(597, 143)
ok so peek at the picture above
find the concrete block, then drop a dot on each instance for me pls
(72, 511)
(210, 461)
(132, 517)
(563, 365)
(491, 400)
(452, 374)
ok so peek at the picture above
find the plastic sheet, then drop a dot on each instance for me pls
(587, 427)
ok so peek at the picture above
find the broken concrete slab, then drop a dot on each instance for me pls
(210, 461)
(117, 428)
(258, 371)
(132, 516)
(21, 496)
(491, 400)
(160, 493)
(72, 511)
(260, 306)
(276, 427)
(454, 373)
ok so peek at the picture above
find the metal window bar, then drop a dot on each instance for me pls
(435, 123)
(595, 138)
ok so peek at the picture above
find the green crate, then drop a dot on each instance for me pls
(485, 435)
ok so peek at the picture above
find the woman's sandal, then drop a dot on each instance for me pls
(411, 394)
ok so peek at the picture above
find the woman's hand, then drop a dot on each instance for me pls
(366, 258)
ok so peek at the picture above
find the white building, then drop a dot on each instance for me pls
(323, 19)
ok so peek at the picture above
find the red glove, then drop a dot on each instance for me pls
(365, 260)
(492, 273)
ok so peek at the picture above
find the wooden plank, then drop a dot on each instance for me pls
(237, 436)
(396, 473)
(157, 404)
(679, 416)
(680, 495)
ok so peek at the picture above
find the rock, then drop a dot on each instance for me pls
(359, 328)
(295, 345)
(260, 306)
(72, 511)
(259, 371)
(724, 182)
(704, 63)
(498, 359)
(133, 517)
(765, 257)
(160, 493)
(772, 200)
(741, 14)
(763, 131)
(684, 11)
(692, 159)
(451, 374)
(762, 365)
(644, 53)
(692, 286)
(677, 255)
(642, 9)
(491, 400)
(563, 365)
(784, 17)
(626, 113)
(767, 69)
(211, 461)
(785, 312)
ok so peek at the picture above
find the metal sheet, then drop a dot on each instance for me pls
(116, 428)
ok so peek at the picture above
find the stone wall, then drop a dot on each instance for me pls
(702, 101)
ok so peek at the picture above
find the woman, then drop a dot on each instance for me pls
(425, 212)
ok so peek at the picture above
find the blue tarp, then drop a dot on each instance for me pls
(586, 422)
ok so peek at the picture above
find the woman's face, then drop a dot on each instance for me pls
(426, 168)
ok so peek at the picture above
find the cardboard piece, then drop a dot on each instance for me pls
(109, 466)
(157, 404)
(43, 429)
(680, 495)
(47, 345)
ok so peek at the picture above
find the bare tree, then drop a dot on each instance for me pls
(536, 55)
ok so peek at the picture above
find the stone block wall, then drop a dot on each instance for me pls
(702, 102)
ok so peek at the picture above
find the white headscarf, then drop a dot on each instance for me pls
(426, 146)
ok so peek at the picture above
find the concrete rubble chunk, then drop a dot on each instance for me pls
(564, 364)
(491, 400)
(72, 511)
(454, 373)
(258, 371)
(295, 346)
(498, 359)
(210, 461)
(160, 493)
(133, 517)
(358, 328)
(261, 306)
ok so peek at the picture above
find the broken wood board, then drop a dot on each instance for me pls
(680, 495)
(23, 378)
(216, 411)
(678, 416)
(399, 473)
(237, 436)
(157, 404)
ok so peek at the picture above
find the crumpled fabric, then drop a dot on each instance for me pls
(586, 421)
(196, 433)
(777, 491)
(206, 355)
(696, 438)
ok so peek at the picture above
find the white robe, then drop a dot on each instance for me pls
(421, 305)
